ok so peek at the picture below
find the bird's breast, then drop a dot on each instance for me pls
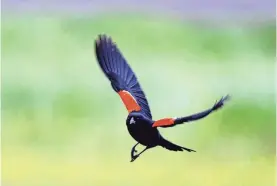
(144, 133)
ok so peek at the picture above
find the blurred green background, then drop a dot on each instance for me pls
(62, 124)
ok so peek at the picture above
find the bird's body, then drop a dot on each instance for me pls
(142, 131)
(139, 122)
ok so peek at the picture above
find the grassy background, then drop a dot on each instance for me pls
(63, 125)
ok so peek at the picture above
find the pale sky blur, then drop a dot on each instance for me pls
(187, 9)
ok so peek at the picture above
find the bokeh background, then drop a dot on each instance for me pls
(62, 124)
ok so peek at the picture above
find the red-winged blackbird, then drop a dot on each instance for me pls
(139, 121)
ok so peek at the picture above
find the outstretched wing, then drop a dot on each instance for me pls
(123, 79)
(170, 122)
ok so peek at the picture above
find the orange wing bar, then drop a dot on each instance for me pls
(129, 101)
(163, 122)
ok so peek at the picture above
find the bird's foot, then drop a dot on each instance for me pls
(133, 152)
(134, 158)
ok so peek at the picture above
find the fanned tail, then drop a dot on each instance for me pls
(173, 147)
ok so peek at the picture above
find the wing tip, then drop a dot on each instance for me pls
(103, 38)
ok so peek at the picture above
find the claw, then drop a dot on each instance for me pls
(134, 158)
(133, 152)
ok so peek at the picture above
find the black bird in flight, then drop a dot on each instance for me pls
(139, 122)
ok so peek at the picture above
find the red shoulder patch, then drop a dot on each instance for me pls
(163, 122)
(129, 101)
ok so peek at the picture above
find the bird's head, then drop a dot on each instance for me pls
(135, 117)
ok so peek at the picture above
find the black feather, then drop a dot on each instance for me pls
(173, 147)
(118, 71)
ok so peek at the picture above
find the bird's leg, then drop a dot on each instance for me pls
(133, 151)
(136, 156)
